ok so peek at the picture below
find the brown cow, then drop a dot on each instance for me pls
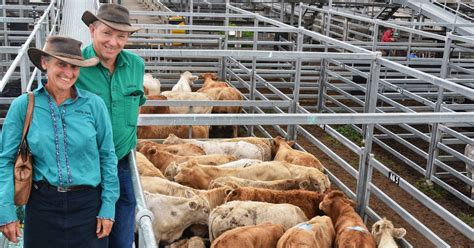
(350, 229)
(308, 201)
(146, 168)
(315, 233)
(284, 152)
(178, 149)
(162, 159)
(255, 236)
(210, 80)
(306, 183)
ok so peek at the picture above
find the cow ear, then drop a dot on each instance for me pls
(399, 232)
(375, 228)
(290, 143)
(214, 76)
(193, 205)
(352, 203)
(152, 150)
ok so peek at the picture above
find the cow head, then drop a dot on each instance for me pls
(171, 170)
(210, 75)
(190, 174)
(189, 77)
(333, 201)
(386, 226)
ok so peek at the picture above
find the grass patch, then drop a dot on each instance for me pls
(467, 218)
(350, 133)
(434, 191)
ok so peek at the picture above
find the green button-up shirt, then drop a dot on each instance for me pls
(84, 138)
(122, 92)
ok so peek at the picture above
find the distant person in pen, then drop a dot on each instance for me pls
(75, 182)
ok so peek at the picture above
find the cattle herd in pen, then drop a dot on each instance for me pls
(241, 191)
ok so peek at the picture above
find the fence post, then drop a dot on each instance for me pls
(24, 72)
(371, 104)
(435, 132)
(291, 130)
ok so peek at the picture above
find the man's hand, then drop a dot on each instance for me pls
(103, 227)
(11, 231)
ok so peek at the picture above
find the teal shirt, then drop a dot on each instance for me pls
(90, 149)
(122, 92)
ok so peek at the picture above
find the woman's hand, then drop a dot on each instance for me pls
(104, 227)
(11, 231)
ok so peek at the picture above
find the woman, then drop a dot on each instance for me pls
(75, 184)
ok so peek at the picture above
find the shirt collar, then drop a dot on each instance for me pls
(89, 52)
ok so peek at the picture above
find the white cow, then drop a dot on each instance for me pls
(185, 81)
(239, 149)
(151, 85)
(175, 214)
(384, 233)
(244, 213)
(177, 95)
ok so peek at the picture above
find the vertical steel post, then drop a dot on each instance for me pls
(300, 16)
(345, 32)
(291, 130)
(322, 85)
(39, 43)
(410, 35)
(24, 72)
(375, 37)
(282, 11)
(435, 132)
(5, 27)
(253, 81)
(292, 16)
(191, 10)
(371, 102)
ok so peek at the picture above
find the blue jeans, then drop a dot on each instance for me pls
(122, 234)
(62, 219)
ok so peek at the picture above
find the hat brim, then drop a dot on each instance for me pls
(35, 57)
(88, 18)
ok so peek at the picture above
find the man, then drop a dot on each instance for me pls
(118, 80)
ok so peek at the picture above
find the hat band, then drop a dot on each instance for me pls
(65, 55)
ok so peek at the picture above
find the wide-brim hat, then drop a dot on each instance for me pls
(112, 15)
(62, 48)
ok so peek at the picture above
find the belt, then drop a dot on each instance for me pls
(70, 188)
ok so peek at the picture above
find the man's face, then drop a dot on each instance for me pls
(107, 42)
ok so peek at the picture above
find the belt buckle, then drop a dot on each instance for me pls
(62, 189)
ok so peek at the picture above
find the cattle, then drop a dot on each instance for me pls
(350, 229)
(469, 153)
(185, 82)
(384, 233)
(193, 242)
(305, 183)
(263, 235)
(175, 214)
(264, 143)
(210, 81)
(161, 132)
(146, 168)
(162, 159)
(173, 168)
(199, 176)
(244, 213)
(179, 149)
(284, 152)
(239, 149)
(177, 96)
(151, 85)
(315, 233)
(307, 201)
(162, 186)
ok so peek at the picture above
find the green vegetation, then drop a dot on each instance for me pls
(434, 191)
(350, 133)
(467, 218)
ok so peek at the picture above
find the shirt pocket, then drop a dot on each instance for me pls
(131, 103)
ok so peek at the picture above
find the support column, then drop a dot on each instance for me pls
(291, 130)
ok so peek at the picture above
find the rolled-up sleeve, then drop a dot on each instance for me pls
(108, 162)
(11, 138)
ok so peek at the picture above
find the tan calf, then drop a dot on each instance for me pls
(284, 152)
(350, 229)
(146, 168)
(315, 233)
(263, 235)
(179, 149)
(385, 233)
(305, 183)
